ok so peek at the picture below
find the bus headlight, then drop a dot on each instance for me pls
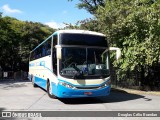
(67, 85)
(106, 83)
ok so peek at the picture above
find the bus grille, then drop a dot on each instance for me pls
(88, 88)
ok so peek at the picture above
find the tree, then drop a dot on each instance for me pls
(32, 34)
(90, 5)
(17, 39)
(134, 26)
(9, 44)
(87, 24)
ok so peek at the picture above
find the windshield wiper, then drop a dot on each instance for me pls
(78, 75)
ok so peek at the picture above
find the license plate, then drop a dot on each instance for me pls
(87, 93)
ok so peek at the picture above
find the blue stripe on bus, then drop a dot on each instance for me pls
(40, 82)
(31, 64)
(41, 63)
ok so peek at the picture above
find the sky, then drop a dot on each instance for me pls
(50, 12)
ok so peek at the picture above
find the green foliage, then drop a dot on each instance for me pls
(90, 5)
(8, 43)
(87, 24)
(133, 26)
(17, 39)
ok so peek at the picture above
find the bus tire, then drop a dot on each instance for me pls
(33, 83)
(49, 91)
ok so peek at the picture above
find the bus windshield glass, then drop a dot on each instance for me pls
(83, 39)
(87, 63)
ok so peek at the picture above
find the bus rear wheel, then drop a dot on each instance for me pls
(49, 91)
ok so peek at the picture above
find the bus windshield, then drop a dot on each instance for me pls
(84, 63)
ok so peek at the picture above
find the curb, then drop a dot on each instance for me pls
(132, 91)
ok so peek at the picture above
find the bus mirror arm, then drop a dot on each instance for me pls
(59, 52)
(118, 52)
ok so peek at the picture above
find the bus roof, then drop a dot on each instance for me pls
(79, 32)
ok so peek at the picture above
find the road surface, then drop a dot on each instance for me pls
(21, 96)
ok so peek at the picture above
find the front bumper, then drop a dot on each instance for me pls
(64, 92)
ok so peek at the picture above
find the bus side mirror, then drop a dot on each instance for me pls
(118, 52)
(59, 52)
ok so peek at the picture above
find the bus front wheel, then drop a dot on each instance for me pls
(49, 91)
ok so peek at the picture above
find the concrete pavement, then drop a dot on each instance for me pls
(20, 95)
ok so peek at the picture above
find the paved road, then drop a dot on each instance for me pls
(22, 96)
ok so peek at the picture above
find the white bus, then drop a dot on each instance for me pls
(72, 63)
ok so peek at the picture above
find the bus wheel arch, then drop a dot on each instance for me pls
(49, 90)
(33, 81)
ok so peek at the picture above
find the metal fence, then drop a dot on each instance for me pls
(132, 79)
(5, 75)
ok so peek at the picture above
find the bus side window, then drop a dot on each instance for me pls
(40, 52)
(48, 47)
(43, 51)
(34, 55)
